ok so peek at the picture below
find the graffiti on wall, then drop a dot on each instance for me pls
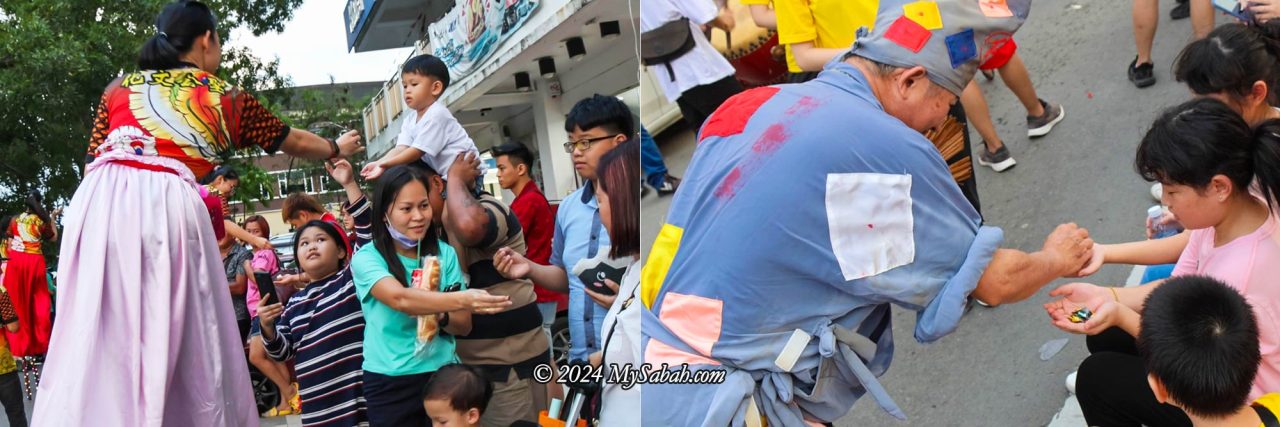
(472, 31)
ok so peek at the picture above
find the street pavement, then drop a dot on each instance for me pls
(989, 372)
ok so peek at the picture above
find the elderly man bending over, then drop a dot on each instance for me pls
(807, 210)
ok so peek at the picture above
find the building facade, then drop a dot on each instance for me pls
(517, 67)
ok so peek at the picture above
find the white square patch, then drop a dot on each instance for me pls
(869, 217)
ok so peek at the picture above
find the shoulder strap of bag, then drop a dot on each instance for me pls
(1268, 418)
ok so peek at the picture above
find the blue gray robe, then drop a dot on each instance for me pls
(805, 207)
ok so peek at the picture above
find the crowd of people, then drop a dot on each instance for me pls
(428, 300)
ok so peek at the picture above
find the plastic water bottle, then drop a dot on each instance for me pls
(1159, 231)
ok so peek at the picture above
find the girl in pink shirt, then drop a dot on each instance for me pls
(265, 260)
(1205, 156)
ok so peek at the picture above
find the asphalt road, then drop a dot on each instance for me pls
(989, 372)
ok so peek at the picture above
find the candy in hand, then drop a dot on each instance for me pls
(1080, 316)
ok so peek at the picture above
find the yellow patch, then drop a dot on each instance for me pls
(924, 13)
(660, 258)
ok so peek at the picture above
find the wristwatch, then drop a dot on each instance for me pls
(333, 145)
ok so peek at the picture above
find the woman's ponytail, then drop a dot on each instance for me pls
(159, 54)
(177, 28)
(35, 205)
(1230, 59)
(1266, 161)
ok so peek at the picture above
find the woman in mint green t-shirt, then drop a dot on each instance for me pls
(395, 371)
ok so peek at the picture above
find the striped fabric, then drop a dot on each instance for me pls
(512, 339)
(322, 328)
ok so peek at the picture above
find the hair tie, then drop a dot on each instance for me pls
(162, 34)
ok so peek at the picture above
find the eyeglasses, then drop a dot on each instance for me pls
(584, 144)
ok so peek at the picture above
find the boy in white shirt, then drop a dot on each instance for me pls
(433, 134)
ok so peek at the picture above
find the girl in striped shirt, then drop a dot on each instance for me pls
(322, 329)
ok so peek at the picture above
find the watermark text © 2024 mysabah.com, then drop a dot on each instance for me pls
(627, 375)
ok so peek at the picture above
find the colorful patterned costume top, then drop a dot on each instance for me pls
(185, 114)
(27, 230)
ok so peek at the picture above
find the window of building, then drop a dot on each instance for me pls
(379, 114)
(368, 123)
(297, 180)
(397, 97)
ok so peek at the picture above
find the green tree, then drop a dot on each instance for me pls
(56, 58)
(327, 111)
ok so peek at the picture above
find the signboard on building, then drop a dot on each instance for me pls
(355, 11)
(472, 31)
(355, 15)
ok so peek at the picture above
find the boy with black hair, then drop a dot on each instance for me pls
(456, 396)
(1199, 342)
(432, 134)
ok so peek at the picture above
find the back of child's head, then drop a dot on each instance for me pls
(602, 111)
(1199, 339)
(429, 66)
(1230, 59)
(297, 202)
(463, 387)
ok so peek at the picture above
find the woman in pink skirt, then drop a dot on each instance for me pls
(146, 335)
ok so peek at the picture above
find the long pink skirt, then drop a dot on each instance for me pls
(145, 334)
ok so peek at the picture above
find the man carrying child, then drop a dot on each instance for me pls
(432, 134)
(503, 347)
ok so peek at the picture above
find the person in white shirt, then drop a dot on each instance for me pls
(701, 79)
(431, 133)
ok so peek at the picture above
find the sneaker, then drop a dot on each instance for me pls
(1142, 75)
(669, 185)
(666, 189)
(1181, 11)
(1040, 126)
(1157, 190)
(1071, 382)
(1000, 160)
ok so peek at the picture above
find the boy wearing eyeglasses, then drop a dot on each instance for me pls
(431, 133)
(595, 126)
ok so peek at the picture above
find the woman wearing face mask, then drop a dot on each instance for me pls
(395, 369)
(139, 281)
(322, 328)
